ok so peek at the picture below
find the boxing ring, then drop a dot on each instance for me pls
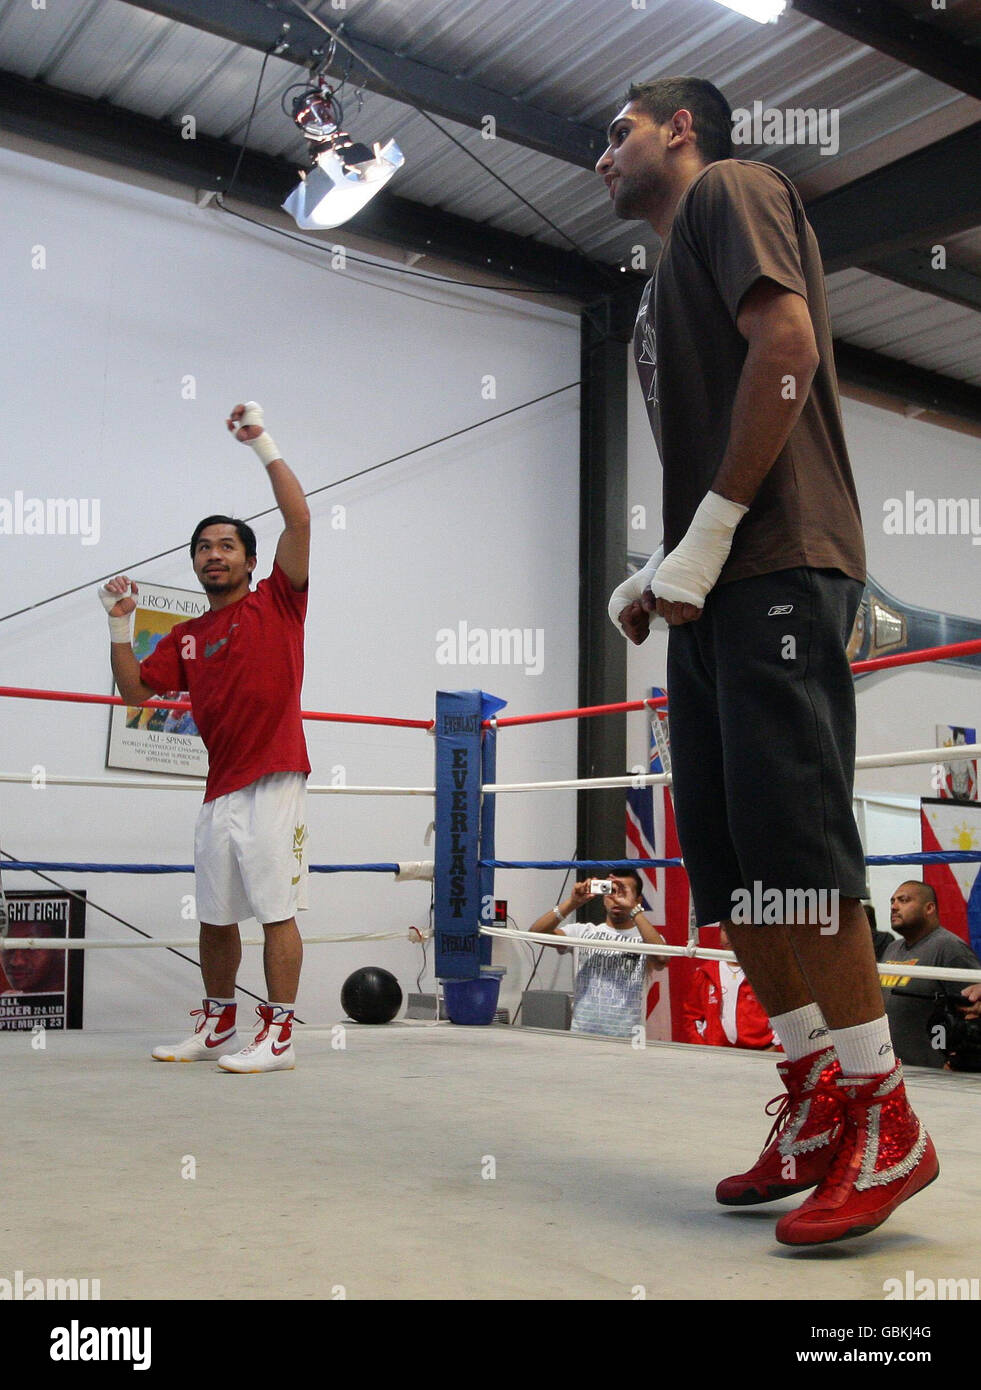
(424, 1160)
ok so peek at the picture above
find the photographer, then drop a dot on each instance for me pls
(610, 986)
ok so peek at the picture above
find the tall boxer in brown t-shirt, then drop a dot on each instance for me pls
(759, 578)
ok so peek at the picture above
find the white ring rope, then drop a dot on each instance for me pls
(644, 948)
(196, 784)
(59, 943)
(961, 752)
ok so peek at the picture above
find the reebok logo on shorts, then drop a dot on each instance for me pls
(780, 608)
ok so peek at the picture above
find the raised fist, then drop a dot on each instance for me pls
(246, 422)
(115, 596)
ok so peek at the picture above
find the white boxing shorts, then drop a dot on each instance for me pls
(250, 852)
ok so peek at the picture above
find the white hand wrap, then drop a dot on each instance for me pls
(632, 588)
(693, 567)
(264, 445)
(120, 629)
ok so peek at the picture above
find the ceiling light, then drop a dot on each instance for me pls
(763, 11)
(346, 174)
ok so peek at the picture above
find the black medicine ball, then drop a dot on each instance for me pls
(371, 995)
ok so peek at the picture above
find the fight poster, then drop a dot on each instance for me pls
(143, 738)
(42, 988)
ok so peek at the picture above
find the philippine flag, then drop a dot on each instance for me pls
(954, 825)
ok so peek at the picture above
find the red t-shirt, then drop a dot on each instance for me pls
(243, 668)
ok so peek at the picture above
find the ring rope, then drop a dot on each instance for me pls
(59, 943)
(197, 784)
(75, 697)
(644, 948)
(960, 856)
(879, 663)
(39, 865)
(960, 752)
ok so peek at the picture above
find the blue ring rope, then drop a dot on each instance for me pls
(972, 856)
(57, 867)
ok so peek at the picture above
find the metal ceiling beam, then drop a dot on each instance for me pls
(108, 132)
(915, 385)
(912, 41)
(915, 270)
(256, 24)
(918, 199)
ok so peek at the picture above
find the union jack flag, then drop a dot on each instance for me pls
(651, 834)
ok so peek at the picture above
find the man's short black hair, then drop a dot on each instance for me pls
(245, 533)
(928, 894)
(661, 97)
(628, 873)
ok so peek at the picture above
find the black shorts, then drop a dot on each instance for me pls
(761, 716)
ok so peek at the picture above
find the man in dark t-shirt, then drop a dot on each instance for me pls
(911, 1002)
(242, 665)
(759, 578)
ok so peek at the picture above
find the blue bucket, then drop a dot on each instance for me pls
(472, 1002)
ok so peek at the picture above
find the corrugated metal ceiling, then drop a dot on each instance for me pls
(569, 57)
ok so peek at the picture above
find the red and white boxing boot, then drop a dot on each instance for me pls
(804, 1137)
(884, 1157)
(270, 1050)
(214, 1032)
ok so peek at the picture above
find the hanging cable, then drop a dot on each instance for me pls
(350, 477)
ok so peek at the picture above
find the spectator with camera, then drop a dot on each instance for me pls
(610, 986)
(911, 1003)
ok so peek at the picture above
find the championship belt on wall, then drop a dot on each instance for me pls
(885, 625)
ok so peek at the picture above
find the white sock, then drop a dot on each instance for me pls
(225, 1003)
(281, 1008)
(866, 1049)
(801, 1031)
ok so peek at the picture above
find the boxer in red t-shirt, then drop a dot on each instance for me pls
(242, 664)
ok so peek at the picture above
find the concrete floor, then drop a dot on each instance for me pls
(363, 1170)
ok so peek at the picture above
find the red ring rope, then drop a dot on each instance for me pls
(78, 698)
(880, 663)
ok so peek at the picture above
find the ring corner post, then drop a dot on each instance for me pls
(456, 896)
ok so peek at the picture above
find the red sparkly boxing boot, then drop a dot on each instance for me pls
(800, 1146)
(884, 1156)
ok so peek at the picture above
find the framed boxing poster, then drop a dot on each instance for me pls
(158, 740)
(42, 988)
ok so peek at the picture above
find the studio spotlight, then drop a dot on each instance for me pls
(346, 174)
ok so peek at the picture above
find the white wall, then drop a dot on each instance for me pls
(899, 710)
(141, 291)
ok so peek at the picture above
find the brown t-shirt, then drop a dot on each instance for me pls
(738, 222)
